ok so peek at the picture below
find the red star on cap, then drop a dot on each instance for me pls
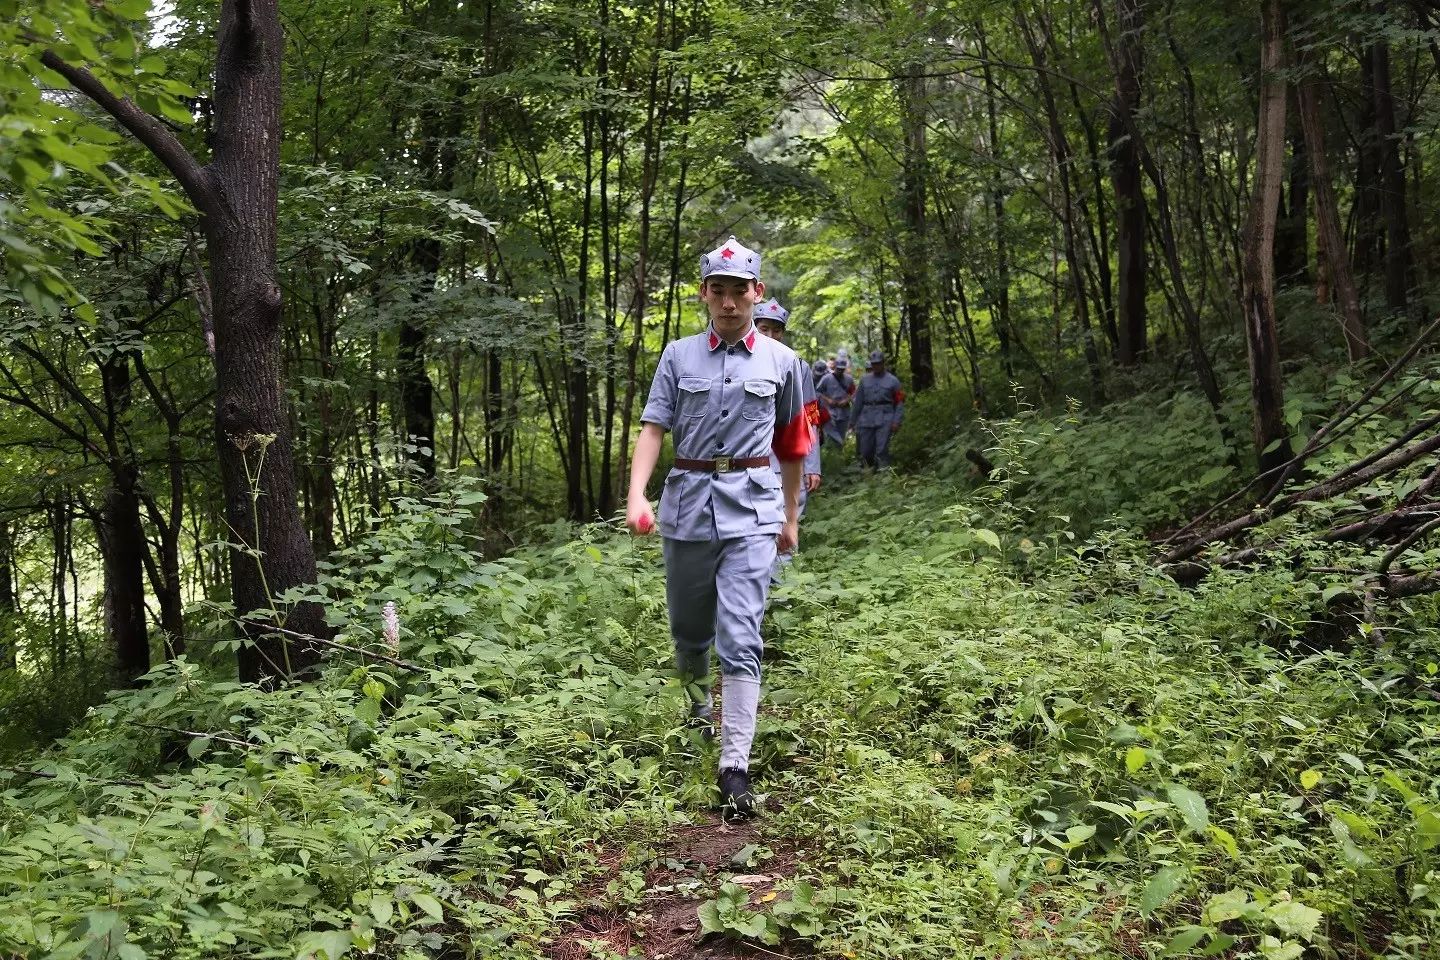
(727, 253)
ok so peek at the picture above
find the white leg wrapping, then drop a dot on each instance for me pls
(737, 722)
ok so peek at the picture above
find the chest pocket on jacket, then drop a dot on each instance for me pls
(694, 396)
(759, 400)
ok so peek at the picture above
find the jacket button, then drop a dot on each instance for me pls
(727, 379)
(724, 413)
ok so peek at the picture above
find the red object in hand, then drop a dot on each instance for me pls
(645, 525)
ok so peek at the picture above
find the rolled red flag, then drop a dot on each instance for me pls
(645, 525)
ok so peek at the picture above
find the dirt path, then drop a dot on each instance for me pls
(660, 921)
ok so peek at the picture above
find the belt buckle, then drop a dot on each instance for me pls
(724, 464)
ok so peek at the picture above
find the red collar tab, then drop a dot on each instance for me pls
(714, 342)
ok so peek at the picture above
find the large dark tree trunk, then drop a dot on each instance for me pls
(1129, 191)
(914, 269)
(237, 195)
(1271, 437)
(256, 465)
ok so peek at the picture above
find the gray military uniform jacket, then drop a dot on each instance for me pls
(739, 401)
(879, 401)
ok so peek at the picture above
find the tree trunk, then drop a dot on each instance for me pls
(237, 196)
(1062, 157)
(323, 535)
(122, 545)
(8, 606)
(1399, 268)
(1129, 190)
(1292, 234)
(1327, 221)
(256, 462)
(417, 393)
(1271, 437)
(1000, 297)
(914, 272)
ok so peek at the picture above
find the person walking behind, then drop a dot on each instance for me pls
(878, 409)
(772, 320)
(837, 392)
(730, 398)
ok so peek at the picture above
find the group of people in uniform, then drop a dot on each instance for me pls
(747, 418)
(874, 405)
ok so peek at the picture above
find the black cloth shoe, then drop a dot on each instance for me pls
(736, 800)
(704, 724)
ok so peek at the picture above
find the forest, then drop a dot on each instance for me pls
(326, 330)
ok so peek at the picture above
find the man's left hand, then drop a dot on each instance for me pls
(812, 482)
(789, 537)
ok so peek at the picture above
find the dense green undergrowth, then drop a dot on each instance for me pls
(994, 737)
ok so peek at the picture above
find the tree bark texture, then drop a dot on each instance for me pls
(8, 605)
(1292, 233)
(1129, 190)
(1327, 223)
(915, 273)
(122, 545)
(237, 196)
(1398, 262)
(1270, 435)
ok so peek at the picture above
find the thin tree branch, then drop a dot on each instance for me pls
(194, 178)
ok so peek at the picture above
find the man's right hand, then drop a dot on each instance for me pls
(639, 516)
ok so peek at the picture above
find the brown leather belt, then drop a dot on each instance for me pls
(722, 464)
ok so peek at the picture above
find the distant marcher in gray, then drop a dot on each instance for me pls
(878, 408)
(837, 393)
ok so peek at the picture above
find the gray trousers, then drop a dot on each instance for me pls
(874, 444)
(716, 592)
(835, 430)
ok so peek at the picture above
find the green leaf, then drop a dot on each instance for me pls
(429, 904)
(1427, 825)
(1226, 840)
(1214, 475)
(1273, 949)
(1310, 779)
(1183, 941)
(1293, 918)
(710, 918)
(1135, 758)
(1191, 806)
(988, 537)
(324, 945)
(1161, 888)
(1230, 905)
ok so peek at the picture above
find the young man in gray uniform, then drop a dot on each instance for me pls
(771, 319)
(837, 392)
(730, 397)
(878, 409)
